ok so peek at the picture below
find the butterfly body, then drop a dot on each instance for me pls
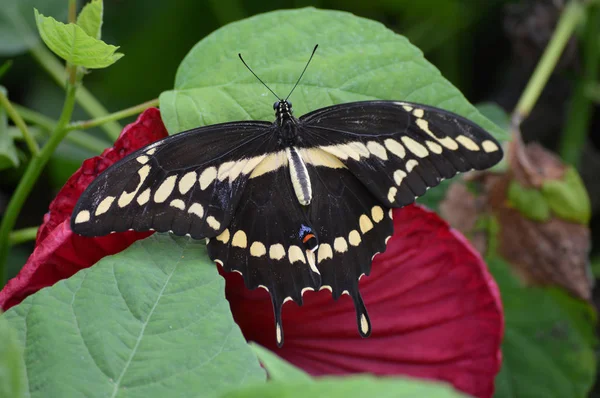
(293, 205)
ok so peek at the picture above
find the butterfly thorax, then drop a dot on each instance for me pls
(287, 123)
(288, 136)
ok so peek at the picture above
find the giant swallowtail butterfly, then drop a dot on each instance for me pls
(293, 205)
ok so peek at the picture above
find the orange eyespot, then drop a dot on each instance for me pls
(307, 237)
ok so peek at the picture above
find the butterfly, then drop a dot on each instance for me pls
(294, 205)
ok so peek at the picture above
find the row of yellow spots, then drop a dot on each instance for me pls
(295, 253)
(488, 146)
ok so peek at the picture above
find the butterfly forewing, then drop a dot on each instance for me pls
(189, 183)
(399, 149)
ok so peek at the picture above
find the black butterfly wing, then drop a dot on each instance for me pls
(265, 241)
(189, 183)
(398, 149)
(352, 225)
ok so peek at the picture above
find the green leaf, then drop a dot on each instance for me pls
(9, 157)
(17, 26)
(496, 114)
(568, 198)
(12, 376)
(549, 340)
(151, 321)
(277, 368)
(530, 202)
(90, 18)
(357, 59)
(348, 387)
(74, 45)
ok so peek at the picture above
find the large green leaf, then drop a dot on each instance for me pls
(349, 387)
(357, 59)
(151, 321)
(548, 348)
(12, 378)
(17, 24)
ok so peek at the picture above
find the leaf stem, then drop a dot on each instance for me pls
(79, 138)
(22, 235)
(33, 171)
(570, 17)
(134, 110)
(33, 117)
(579, 111)
(16, 118)
(85, 99)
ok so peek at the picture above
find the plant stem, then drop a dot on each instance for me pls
(22, 235)
(34, 117)
(33, 171)
(571, 16)
(85, 99)
(76, 137)
(580, 108)
(134, 110)
(16, 118)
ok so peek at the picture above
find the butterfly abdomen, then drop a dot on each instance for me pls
(299, 176)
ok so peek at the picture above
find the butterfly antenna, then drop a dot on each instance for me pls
(246, 65)
(302, 74)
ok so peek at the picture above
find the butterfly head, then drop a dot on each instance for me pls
(282, 109)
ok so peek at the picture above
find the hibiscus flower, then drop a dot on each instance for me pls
(435, 309)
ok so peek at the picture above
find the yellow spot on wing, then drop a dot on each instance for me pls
(340, 245)
(213, 223)
(411, 164)
(377, 150)
(295, 254)
(187, 182)
(165, 189)
(391, 195)
(197, 209)
(395, 147)
(377, 213)
(318, 157)
(489, 146)
(419, 112)
(433, 147)
(467, 143)
(270, 163)
(415, 147)
(365, 223)
(178, 204)
(277, 251)
(324, 252)
(82, 216)
(104, 205)
(257, 249)
(398, 177)
(144, 197)
(354, 238)
(240, 239)
(207, 177)
(224, 236)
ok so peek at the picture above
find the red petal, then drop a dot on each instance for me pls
(59, 253)
(435, 313)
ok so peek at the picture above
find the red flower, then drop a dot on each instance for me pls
(59, 253)
(434, 308)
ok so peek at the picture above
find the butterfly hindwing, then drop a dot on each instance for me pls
(189, 183)
(265, 241)
(353, 226)
(399, 149)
